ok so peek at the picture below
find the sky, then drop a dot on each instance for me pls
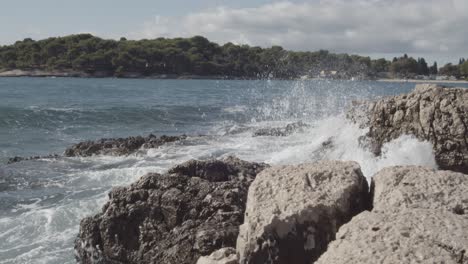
(434, 29)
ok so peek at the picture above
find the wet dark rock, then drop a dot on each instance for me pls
(430, 112)
(119, 146)
(19, 159)
(191, 211)
(281, 131)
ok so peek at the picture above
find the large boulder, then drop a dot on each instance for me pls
(294, 211)
(406, 187)
(408, 236)
(430, 112)
(191, 211)
(118, 146)
(418, 216)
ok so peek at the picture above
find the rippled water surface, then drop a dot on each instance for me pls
(42, 201)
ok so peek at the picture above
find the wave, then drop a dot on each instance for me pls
(42, 230)
(42, 201)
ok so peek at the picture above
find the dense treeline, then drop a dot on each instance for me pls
(407, 67)
(192, 56)
(458, 71)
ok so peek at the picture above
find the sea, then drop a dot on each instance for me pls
(42, 201)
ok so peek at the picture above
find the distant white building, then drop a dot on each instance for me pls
(325, 74)
(442, 77)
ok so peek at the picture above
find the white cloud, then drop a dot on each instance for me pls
(362, 26)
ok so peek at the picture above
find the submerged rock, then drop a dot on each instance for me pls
(189, 212)
(118, 146)
(408, 236)
(19, 159)
(430, 112)
(281, 131)
(293, 212)
(108, 146)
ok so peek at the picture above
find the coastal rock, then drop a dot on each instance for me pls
(293, 212)
(221, 256)
(418, 216)
(118, 146)
(281, 131)
(19, 159)
(189, 212)
(430, 112)
(408, 236)
(407, 187)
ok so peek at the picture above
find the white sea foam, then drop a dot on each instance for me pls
(333, 138)
(235, 109)
(43, 230)
(45, 233)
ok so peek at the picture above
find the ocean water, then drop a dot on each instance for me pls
(42, 201)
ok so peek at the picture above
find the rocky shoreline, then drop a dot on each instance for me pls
(109, 146)
(310, 213)
(232, 211)
(137, 75)
(103, 74)
(191, 211)
(430, 112)
(132, 145)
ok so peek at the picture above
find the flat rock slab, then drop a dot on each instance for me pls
(119, 146)
(401, 187)
(410, 236)
(294, 211)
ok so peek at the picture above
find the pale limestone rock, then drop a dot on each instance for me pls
(401, 187)
(293, 212)
(408, 236)
(419, 216)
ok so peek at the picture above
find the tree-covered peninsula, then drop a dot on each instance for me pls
(196, 56)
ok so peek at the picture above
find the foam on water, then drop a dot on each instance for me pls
(333, 138)
(43, 201)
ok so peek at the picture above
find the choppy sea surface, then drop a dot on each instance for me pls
(42, 201)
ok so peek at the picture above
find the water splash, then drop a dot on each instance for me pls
(42, 202)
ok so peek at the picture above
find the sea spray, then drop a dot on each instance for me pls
(42, 201)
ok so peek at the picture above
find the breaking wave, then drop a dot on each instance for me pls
(43, 201)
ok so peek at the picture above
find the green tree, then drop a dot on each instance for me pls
(464, 69)
(434, 69)
(196, 55)
(380, 65)
(404, 67)
(422, 67)
(450, 70)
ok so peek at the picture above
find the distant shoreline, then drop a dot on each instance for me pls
(128, 75)
(134, 75)
(420, 81)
